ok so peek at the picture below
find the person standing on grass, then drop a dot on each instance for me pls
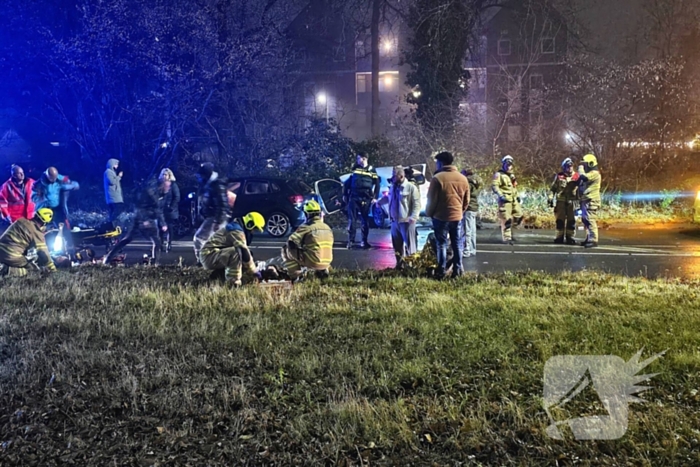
(448, 199)
(404, 209)
(113, 190)
(469, 220)
(589, 192)
(16, 196)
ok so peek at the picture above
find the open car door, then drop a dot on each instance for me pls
(331, 193)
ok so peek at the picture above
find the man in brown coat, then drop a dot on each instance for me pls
(448, 199)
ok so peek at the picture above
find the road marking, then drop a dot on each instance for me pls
(600, 251)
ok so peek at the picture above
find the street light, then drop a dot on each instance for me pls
(323, 100)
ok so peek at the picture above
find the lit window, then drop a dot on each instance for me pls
(548, 45)
(504, 47)
(388, 82)
(363, 83)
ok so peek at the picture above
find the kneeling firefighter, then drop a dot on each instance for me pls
(309, 247)
(22, 235)
(227, 249)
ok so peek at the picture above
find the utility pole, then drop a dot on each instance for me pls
(374, 29)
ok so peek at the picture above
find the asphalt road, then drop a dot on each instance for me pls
(651, 252)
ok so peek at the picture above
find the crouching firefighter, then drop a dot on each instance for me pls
(227, 250)
(22, 235)
(562, 197)
(309, 248)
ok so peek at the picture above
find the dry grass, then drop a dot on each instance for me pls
(149, 366)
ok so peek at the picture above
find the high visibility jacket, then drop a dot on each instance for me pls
(362, 184)
(313, 244)
(504, 186)
(231, 236)
(565, 186)
(589, 187)
(16, 200)
(20, 237)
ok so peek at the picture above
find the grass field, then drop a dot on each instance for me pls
(147, 366)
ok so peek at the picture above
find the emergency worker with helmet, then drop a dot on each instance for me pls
(310, 247)
(505, 186)
(589, 194)
(227, 250)
(563, 197)
(21, 236)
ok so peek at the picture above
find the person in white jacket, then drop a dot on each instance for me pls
(404, 209)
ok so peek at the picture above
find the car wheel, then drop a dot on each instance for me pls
(379, 216)
(277, 224)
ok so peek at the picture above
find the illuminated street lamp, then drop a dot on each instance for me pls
(322, 99)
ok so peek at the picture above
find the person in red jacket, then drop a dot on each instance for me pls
(16, 196)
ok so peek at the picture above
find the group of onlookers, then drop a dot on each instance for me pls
(453, 206)
(21, 196)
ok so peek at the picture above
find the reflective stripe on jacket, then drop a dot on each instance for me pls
(16, 201)
(18, 238)
(313, 244)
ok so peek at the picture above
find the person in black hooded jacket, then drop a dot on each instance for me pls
(148, 219)
(213, 205)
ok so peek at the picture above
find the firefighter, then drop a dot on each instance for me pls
(589, 194)
(505, 186)
(22, 235)
(148, 220)
(361, 190)
(563, 195)
(213, 205)
(309, 247)
(227, 249)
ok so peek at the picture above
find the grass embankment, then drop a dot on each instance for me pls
(159, 367)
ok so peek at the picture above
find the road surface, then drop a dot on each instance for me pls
(636, 251)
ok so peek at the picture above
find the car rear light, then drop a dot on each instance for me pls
(296, 199)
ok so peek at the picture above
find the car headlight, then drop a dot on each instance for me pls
(697, 196)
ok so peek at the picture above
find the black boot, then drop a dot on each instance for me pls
(559, 240)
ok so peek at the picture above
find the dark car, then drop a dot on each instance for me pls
(279, 201)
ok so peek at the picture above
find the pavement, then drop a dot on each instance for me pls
(671, 251)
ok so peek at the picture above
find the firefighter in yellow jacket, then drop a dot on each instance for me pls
(309, 247)
(20, 237)
(589, 194)
(505, 186)
(228, 249)
(562, 196)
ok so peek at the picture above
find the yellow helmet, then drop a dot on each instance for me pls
(45, 215)
(590, 159)
(254, 220)
(312, 207)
